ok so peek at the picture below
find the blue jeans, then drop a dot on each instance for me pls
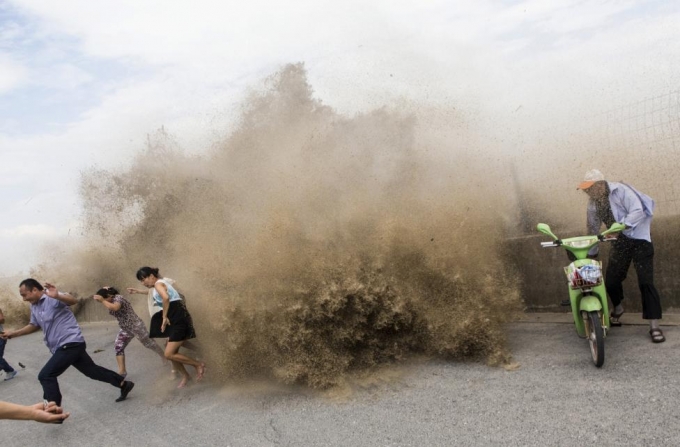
(3, 363)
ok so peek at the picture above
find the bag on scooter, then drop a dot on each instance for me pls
(587, 275)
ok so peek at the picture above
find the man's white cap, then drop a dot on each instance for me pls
(591, 177)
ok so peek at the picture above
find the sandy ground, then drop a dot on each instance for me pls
(555, 397)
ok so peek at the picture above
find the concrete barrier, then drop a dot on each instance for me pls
(539, 271)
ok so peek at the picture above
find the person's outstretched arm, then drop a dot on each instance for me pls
(28, 329)
(132, 291)
(115, 306)
(66, 298)
(39, 412)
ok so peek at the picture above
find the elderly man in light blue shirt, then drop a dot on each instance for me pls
(618, 202)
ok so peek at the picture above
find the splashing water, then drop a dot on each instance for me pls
(310, 245)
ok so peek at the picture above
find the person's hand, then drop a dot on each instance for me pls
(98, 298)
(51, 290)
(132, 290)
(166, 323)
(6, 335)
(48, 413)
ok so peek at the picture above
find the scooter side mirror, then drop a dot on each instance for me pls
(615, 228)
(545, 229)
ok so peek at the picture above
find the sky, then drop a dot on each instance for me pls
(83, 83)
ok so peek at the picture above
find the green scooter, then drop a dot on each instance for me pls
(587, 294)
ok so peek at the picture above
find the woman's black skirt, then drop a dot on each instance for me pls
(181, 326)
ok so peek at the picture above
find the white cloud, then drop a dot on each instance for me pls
(483, 45)
(10, 31)
(12, 73)
(37, 230)
(64, 76)
(160, 32)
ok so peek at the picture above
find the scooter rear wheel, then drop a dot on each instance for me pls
(595, 335)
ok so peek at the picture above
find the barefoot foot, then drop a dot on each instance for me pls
(184, 382)
(200, 372)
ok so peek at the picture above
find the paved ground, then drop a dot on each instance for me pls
(555, 397)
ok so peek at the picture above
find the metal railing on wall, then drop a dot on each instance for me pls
(648, 133)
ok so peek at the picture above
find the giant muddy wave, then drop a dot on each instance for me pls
(310, 245)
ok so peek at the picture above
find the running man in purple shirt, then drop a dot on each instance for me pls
(50, 312)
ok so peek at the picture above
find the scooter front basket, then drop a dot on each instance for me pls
(584, 276)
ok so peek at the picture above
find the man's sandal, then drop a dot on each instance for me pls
(615, 319)
(657, 336)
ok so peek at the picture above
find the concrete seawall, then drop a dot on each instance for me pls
(539, 271)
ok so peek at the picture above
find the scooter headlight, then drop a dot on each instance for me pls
(579, 244)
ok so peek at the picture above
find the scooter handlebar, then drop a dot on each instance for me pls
(558, 242)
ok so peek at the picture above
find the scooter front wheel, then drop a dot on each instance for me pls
(595, 335)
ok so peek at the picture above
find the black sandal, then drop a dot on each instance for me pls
(657, 336)
(614, 319)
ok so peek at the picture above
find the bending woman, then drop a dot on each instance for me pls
(173, 323)
(131, 325)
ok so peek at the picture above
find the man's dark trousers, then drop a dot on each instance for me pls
(65, 356)
(641, 253)
(4, 366)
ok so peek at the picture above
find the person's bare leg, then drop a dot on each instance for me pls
(173, 371)
(177, 367)
(186, 378)
(120, 359)
(172, 353)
